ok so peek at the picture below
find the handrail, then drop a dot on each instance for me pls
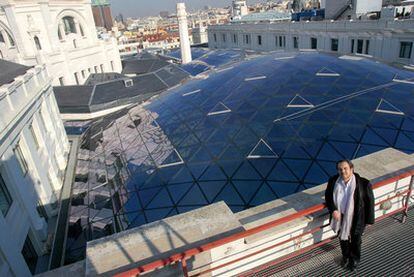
(243, 234)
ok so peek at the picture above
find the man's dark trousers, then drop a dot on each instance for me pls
(351, 249)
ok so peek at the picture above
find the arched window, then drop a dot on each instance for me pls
(37, 42)
(69, 25)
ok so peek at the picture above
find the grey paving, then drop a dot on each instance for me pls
(387, 251)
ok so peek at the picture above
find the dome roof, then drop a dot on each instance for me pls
(253, 131)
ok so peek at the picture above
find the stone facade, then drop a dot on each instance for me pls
(381, 39)
(33, 157)
(60, 34)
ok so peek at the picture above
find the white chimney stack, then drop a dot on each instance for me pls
(184, 39)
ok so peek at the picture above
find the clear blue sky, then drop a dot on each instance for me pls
(140, 8)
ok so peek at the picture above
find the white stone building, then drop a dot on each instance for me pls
(33, 157)
(387, 40)
(60, 34)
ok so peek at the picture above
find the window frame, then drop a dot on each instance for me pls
(7, 196)
(21, 159)
(403, 47)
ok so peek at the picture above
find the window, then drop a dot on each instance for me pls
(112, 66)
(360, 44)
(95, 68)
(40, 208)
(69, 25)
(314, 43)
(102, 68)
(76, 77)
(367, 46)
(234, 38)
(280, 41)
(406, 48)
(33, 132)
(2, 38)
(128, 83)
(20, 158)
(334, 44)
(61, 81)
(89, 70)
(284, 41)
(37, 43)
(223, 37)
(1, 55)
(246, 39)
(295, 43)
(83, 74)
(259, 40)
(352, 45)
(29, 254)
(5, 198)
(215, 37)
(75, 45)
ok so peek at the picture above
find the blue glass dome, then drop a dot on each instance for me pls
(251, 132)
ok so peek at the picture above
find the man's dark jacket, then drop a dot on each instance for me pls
(364, 210)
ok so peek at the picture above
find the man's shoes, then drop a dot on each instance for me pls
(344, 262)
(353, 264)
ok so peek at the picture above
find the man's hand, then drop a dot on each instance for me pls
(336, 215)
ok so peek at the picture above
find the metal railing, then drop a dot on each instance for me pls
(184, 256)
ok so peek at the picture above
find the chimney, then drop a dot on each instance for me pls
(184, 39)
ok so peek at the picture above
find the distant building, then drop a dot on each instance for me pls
(200, 35)
(33, 150)
(101, 10)
(61, 35)
(239, 8)
(376, 38)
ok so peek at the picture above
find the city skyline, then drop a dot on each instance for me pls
(134, 8)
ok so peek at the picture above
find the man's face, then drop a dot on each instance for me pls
(345, 171)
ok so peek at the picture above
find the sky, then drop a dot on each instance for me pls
(140, 8)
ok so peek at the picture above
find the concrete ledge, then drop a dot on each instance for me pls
(159, 239)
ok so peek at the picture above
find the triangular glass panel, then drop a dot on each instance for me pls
(262, 150)
(229, 195)
(247, 188)
(283, 189)
(161, 200)
(400, 80)
(282, 173)
(220, 108)
(299, 102)
(194, 197)
(157, 214)
(211, 189)
(326, 72)
(265, 194)
(386, 107)
(178, 191)
(173, 158)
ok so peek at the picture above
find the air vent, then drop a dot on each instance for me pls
(128, 83)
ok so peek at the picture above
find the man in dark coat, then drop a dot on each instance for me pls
(350, 201)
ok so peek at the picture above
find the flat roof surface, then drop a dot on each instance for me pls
(252, 131)
(387, 249)
(10, 70)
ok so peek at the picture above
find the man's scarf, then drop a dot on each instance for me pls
(345, 205)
